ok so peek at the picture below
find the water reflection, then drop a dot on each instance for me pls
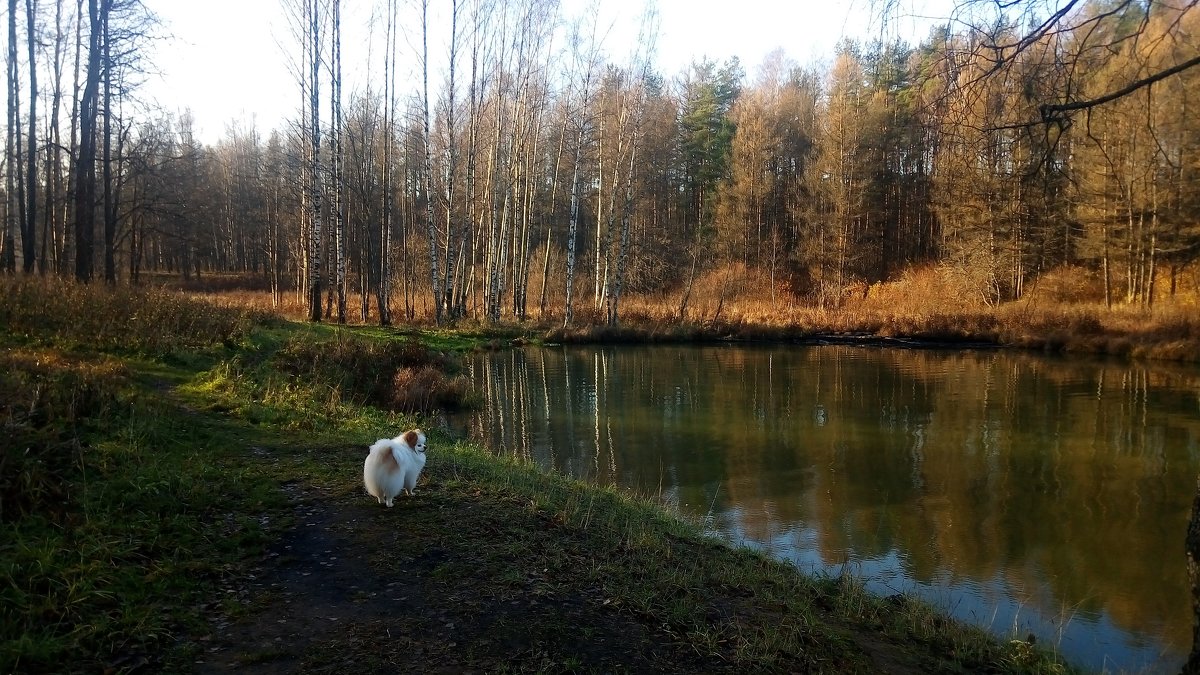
(1023, 493)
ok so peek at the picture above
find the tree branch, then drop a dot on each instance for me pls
(1051, 110)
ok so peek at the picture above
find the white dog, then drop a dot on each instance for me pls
(393, 465)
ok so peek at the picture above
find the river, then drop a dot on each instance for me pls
(1024, 493)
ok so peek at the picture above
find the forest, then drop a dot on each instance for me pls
(537, 178)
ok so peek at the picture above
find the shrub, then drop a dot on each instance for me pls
(425, 388)
(1067, 284)
(375, 372)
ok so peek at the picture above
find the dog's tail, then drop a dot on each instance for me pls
(382, 444)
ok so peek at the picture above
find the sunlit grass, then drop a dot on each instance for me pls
(1063, 310)
(117, 317)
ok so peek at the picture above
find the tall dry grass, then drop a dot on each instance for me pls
(118, 317)
(1062, 310)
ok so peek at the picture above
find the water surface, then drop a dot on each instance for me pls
(1023, 493)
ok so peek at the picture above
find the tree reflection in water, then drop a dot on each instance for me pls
(1026, 493)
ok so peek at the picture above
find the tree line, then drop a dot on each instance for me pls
(535, 175)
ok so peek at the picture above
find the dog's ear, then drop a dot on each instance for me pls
(411, 437)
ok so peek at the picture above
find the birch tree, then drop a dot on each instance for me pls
(586, 59)
(337, 161)
(431, 230)
(313, 34)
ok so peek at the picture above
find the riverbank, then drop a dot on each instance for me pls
(183, 494)
(924, 307)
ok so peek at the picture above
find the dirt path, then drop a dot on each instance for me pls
(469, 578)
(354, 585)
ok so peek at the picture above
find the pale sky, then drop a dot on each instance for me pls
(226, 62)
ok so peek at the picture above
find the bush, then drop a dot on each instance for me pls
(1069, 284)
(425, 388)
(400, 376)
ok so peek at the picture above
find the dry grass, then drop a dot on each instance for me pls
(1063, 310)
(402, 376)
(117, 317)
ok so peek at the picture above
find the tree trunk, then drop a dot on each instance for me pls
(314, 167)
(50, 229)
(383, 289)
(29, 233)
(428, 181)
(109, 210)
(572, 233)
(449, 274)
(7, 246)
(339, 165)
(85, 169)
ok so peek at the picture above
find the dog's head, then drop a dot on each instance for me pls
(415, 439)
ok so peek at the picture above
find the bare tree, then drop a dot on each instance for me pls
(312, 34)
(452, 244)
(586, 53)
(12, 207)
(337, 161)
(383, 290)
(641, 63)
(29, 226)
(53, 214)
(85, 166)
(1084, 31)
(428, 177)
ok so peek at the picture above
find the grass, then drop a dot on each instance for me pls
(1061, 311)
(153, 480)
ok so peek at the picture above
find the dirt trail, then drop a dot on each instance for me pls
(354, 585)
(458, 579)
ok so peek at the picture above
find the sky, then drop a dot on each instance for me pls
(227, 60)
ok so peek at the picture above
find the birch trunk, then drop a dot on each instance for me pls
(314, 167)
(572, 233)
(428, 182)
(338, 161)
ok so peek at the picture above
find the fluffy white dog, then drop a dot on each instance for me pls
(393, 465)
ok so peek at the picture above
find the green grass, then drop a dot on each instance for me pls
(145, 476)
(100, 545)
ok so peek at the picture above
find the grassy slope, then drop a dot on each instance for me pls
(161, 463)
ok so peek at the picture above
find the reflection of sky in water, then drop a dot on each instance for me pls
(1085, 639)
